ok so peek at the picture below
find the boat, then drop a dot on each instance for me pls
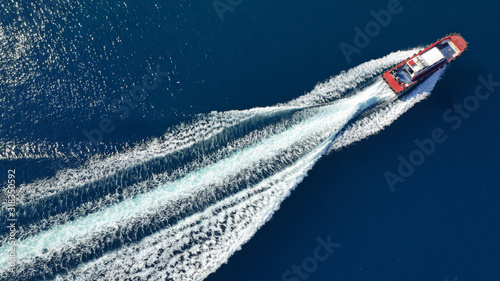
(416, 68)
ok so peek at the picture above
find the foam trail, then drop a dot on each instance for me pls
(246, 213)
(109, 171)
(186, 135)
(321, 123)
(205, 237)
(185, 227)
(377, 121)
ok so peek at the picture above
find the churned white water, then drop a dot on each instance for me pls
(266, 163)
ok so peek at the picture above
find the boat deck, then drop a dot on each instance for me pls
(448, 48)
(447, 51)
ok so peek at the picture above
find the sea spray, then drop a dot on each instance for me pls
(267, 162)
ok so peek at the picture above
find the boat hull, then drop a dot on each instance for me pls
(402, 77)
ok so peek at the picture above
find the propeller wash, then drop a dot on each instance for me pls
(177, 207)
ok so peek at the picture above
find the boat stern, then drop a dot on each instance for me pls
(393, 84)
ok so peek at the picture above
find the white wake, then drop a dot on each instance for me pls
(266, 164)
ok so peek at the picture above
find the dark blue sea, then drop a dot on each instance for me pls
(206, 140)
